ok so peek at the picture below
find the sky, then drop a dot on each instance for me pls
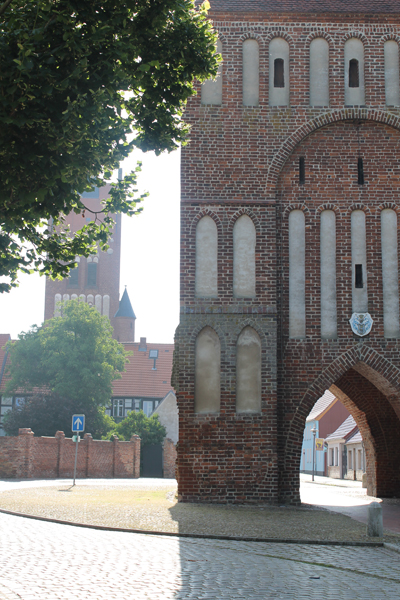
(149, 259)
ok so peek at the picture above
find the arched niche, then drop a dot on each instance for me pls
(390, 273)
(207, 394)
(328, 275)
(392, 93)
(297, 274)
(354, 87)
(244, 258)
(278, 72)
(211, 90)
(248, 372)
(319, 72)
(206, 279)
(250, 73)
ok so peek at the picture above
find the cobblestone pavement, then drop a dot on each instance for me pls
(46, 561)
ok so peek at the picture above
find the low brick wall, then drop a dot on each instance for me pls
(27, 456)
(169, 458)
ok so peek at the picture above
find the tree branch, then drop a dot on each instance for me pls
(4, 6)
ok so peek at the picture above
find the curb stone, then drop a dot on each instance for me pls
(380, 544)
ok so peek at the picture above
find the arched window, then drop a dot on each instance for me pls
(211, 90)
(248, 372)
(354, 72)
(297, 275)
(390, 273)
(250, 73)
(278, 72)
(244, 258)
(206, 283)
(319, 72)
(391, 51)
(328, 275)
(207, 395)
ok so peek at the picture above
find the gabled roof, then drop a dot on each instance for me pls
(305, 6)
(356, 438)
(345, 431)
(140, 379)
(125, 307)
(321, 406)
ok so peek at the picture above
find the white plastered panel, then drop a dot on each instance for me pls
(248, 372)
(328, 275)
(359, 257)
(244, 258)
(354, 49)
(391, 49)
(207, 372)
(390, 273)
(211, 90)
(279, 48)
(106, 305)
(206, 258)
(297, 275)
(319, 72)
(97, 302)
(250, 73)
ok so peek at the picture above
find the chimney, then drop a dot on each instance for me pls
(142, 345)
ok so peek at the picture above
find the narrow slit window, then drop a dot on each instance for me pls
(302, 171)
(279, 76)
(354, 74)
(359, 277)
(360, 172)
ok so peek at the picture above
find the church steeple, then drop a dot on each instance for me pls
(124, 320)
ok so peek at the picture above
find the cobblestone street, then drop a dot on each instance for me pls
(43, 561)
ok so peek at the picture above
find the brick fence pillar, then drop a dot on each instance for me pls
(26, 444)
(135, 439)
(169, 459)
(89, 440)
(60, 437)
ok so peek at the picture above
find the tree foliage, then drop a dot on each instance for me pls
(149, 429)
(72, 357)
(46, 414)
(83, 83)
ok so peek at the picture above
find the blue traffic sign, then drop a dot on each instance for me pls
(78, 423)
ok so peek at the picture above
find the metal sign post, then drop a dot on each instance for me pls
(78, 425)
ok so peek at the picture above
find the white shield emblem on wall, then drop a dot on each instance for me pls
(361, 323)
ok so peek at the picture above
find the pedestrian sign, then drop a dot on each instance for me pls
(78, 423)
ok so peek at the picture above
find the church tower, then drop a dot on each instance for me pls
(96, 279)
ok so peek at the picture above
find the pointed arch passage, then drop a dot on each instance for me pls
(244, 258)
(206, 283)
(248, 372)
(207, 393)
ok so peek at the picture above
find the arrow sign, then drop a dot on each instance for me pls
(78, 423)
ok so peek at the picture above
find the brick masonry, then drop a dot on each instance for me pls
(27, 456)
(244, 160)
(169, 459)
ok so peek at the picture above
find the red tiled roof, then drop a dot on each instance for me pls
(321, 405)
(306, 6)
(4, 338)
(140, 379)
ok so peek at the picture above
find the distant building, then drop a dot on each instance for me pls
(146, 381)
(96, 279)
(346, 455)
(328, 413)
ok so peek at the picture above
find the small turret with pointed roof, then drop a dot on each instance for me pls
(124, 328)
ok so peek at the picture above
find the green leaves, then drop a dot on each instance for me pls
(77, 79)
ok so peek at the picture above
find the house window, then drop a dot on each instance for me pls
(118, 408)
(336, 457)
(137, 405)
(147, 407)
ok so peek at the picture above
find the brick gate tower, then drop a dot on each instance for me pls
(290, 217)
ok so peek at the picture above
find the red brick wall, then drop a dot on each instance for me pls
(246, 160)
(27, 456)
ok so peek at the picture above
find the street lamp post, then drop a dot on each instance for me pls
(313, 431)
